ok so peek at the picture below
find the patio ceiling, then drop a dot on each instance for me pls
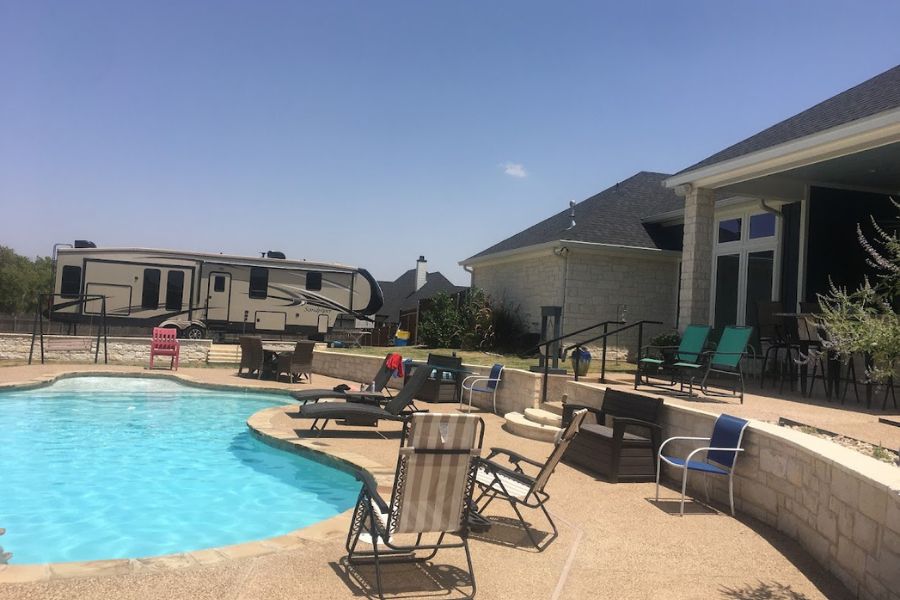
(877, 169)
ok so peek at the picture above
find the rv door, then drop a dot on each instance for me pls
(218, 296)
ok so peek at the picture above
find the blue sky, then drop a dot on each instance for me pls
(369, 133)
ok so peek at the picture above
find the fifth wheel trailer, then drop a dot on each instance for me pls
(199, 293)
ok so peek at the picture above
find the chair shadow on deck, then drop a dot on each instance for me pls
(508, 532)
(692, 506)
(405, 579)
(338, 434)
(762, 591)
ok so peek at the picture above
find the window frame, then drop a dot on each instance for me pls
(170, 297)
(317, 275)
(257, 293)
(144, 304)
(64, 290)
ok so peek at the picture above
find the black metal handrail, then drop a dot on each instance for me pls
(604, 336)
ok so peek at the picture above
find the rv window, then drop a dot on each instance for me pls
(314, 281)
(174, 290)
(150, 294)
(70, 286)
(219, 283)
(259, 282)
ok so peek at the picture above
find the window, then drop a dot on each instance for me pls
(70, 286)
(150, 293)
(314, 281)
(729, 230)
(762, 226)
(259, 282)
(174, 290)
(219, 283)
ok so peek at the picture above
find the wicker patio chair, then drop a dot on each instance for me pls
(297, 363)
(252, 356)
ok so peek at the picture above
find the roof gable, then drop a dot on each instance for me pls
(611, 217)
(878, 94)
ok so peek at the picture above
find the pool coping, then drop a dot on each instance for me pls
(260, 425)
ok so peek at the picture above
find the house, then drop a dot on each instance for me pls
(771, 218)
(774, 216)
(403, 296)
(614, 255)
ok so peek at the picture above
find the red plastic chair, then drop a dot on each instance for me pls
(164, 343)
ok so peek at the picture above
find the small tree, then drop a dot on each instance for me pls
(439, 325)
(865, 320)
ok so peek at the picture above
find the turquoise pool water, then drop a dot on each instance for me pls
(109, 467)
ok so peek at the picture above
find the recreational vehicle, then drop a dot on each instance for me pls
(199, 293)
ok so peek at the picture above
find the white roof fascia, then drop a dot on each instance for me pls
(513, 254)
(862, 134)
(620, 249)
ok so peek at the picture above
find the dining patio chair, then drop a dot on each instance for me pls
(165, 343)
(297, 363)
(432, 493)
(482, 385)
(512, 484)
(252, 356)
(720, 456)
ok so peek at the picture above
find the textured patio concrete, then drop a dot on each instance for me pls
(614, 542)
(850, 418)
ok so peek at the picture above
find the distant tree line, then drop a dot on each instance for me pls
(21, 280)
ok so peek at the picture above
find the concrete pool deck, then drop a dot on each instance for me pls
(614, 541)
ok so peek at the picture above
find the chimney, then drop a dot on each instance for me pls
(421, 273)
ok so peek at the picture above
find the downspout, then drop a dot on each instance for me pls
(563, 251)
(770, 209)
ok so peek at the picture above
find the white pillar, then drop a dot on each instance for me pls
(696, 257)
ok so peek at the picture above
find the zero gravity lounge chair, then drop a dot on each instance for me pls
(512, 484)
(365, 410)
(376, 390)
(431, 496)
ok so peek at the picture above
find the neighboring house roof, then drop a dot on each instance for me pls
(401, 293)
(611, 217)
(878, 94)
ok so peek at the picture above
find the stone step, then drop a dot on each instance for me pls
(518, 424)
(556, 407)
(224, 354)
(543, 417)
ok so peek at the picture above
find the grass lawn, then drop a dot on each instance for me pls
(474, 357)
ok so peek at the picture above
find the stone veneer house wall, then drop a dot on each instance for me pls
(609, 264)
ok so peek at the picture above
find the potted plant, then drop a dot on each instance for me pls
(581, 361)
(667, 344)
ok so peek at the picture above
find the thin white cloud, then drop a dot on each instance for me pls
(514, 170)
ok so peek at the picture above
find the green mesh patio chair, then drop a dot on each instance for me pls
(727, 357)
(685, 355)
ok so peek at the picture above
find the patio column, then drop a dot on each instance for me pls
(696, 257)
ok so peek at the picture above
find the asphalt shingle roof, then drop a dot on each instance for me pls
(871, 97)
(611, 217)
(402, 294)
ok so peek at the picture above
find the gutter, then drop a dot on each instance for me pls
(862, 134)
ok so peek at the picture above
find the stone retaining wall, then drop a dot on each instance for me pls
(121, 350)
(841, 506)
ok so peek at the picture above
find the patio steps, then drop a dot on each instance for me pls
(543, 417)
(521, 425)
(224, 354)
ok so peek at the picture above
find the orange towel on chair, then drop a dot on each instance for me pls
(394, 362)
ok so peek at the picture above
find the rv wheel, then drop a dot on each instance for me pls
(193, 333)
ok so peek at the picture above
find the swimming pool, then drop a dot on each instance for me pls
(111, 467)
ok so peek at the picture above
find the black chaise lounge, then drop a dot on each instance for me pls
(376, 390)
(362, 410)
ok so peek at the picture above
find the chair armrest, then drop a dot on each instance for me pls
(672, 439)
(494, 468)
(475, 379)
(707, 449)
(513, 457)
(371, 488)
(569, 410)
